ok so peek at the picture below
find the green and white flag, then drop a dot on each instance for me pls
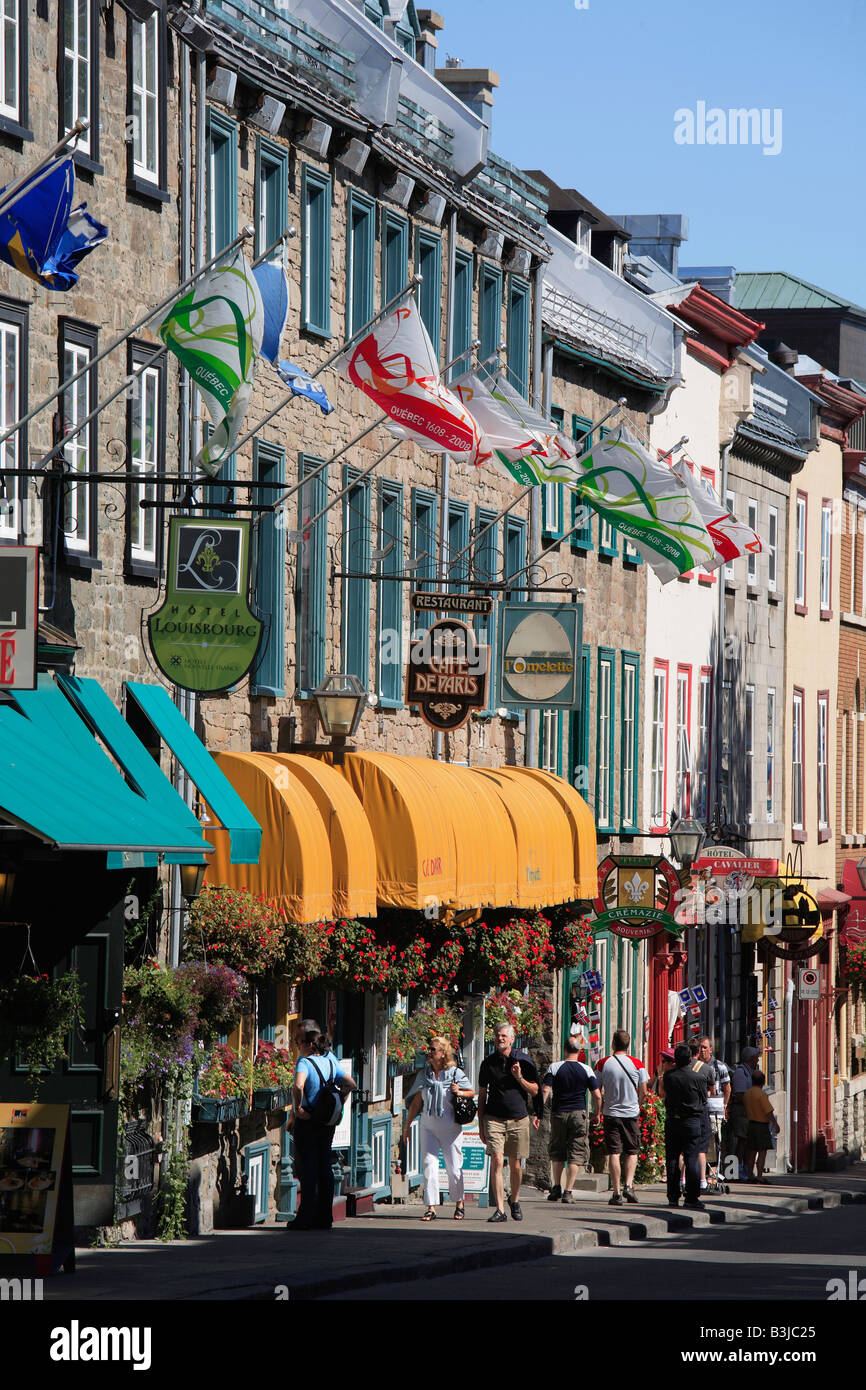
(520, 452)
(647, 502)
(215, 330)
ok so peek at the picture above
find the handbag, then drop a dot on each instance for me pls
(465, 1109)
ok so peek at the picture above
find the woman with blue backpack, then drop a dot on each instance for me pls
(317, 1096)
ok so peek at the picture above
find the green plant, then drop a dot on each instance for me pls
(37, 1014)
(651, 1157)
(570, 936)
(409, 1035)
(240, 929)
(852, 968)
(273, 1068)
(527, 1016)
(507, 952)
(224, 1074)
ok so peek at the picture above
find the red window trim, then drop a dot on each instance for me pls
(799, 836)
(682, 667)
(825, 834)
(827, 613)
(708, 671)
(801, 608)
(660, 665)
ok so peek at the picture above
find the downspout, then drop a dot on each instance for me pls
(789, 1080)
(445, 465)
(716, 769)
(530, 740)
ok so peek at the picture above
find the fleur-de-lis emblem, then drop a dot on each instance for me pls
(636, 887)
(208, 559)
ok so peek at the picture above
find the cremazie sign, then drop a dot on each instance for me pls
(636, 895)
(447, 674)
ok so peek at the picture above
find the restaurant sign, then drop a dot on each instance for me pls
(423, 602)
(205, 637)
(447, 674)
(636, 895)
(18, 616)
(539, 655)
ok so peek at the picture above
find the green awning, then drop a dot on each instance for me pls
(245, 833)
(58, 783)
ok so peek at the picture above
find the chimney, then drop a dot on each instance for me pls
(474, 87)
(658, 235)
(780, 354)
(431, 24)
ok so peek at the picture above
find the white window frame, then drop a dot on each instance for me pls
(823, 763)
(684, 757)
(10, 22)
(604, 809)
(144, 39)
(752, 562)
(749, 751)
(800, 569)
(729, 503)
(628, 810)
(797, 771)
(658, 813)
(77, 451)
(376, 1032)
(772, 547)
(73, 59)
(826, 596)
(549, 739)
(702, 797)
(553, 509)
(771, 755)
(10, 402)
(843, 780)
(725, 731)
(140, 520)
(605, 534)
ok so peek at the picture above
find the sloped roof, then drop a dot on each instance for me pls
(765, 427)
(776, 289)
(569, 200)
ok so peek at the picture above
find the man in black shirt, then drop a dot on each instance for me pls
(685, 1097)
(568, 1082)
(507, 1086)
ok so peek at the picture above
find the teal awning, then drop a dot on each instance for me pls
(245, 833)
(58, 783)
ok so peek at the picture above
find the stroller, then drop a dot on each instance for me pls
(715, 1184)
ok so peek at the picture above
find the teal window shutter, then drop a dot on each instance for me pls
(515, 555)
(360, 246)
(581, 539)
(221, 181)
(553, 495)
(428, 263)
(458, 539)
(356, 590)
(315, 251)
(486, 563)
(463, 277)
(311, 591)
(580, 730)
(272, 193)
(517, 335)
(607, 534)
(604, 739)
(424, 544)
(395, 255)
(268, 674)
(390, 625)
(490, 313)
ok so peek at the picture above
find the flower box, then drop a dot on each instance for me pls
(210, 1110)
(272, 1098)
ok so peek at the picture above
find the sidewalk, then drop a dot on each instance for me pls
(392, 1244)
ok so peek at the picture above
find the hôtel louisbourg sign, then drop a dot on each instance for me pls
(447, 673)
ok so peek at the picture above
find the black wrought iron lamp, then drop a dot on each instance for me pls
(687, 837)
(191, 880)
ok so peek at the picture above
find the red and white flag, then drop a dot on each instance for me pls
(395, 365)
(730, 538)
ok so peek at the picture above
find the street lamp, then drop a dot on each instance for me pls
(687, 838)
(191, 880)
(7, 885)
(340, 701)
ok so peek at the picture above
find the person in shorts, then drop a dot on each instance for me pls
(738, 1120)
(568, 1082)
(761, 1120)
(624, 1081)
(507, 1086)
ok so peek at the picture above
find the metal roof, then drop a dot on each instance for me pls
(776, 289)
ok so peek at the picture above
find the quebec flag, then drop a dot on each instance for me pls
(41, 234)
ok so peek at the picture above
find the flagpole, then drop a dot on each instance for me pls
(11, 189)
(133, 376)
(242, 236)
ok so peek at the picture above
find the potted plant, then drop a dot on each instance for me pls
(273, 1073)
(222, 1087)
(37, 1014)
(409, 1035)
(651, 1157)
(528, 1016)
(242, 930)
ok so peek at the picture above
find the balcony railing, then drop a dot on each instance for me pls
(424, 132)
(508, 184)
(289, 39)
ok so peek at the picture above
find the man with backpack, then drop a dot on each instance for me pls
(623, 1081)
(317, 1095)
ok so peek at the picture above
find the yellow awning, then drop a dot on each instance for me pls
(582, 829)
(294, 868)
(545, 857)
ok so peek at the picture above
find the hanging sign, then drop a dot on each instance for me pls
(424, 602)
(720, 861)
(635, 895)
(205, 637)
(36, 1219)
(18, 616)
(540, 655)
(447, 673)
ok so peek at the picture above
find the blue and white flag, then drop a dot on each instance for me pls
(41, 234)
(274, 291)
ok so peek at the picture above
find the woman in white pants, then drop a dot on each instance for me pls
(432, 1094)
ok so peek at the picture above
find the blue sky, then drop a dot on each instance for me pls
(589, 95)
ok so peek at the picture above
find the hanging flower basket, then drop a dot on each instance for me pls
(209, 1110)
(37, 1014)
(272, 1098)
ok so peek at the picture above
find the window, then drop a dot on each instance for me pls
(581, 539)
(823, 765)
(705, 740)
(376, 1040)
(725, 736)
(315, 251)
(729, 503)
(490, 315)
(628, 812)
(79, 75)
(462, 336)
(13, 404)
(146, 426)
(268, 674)
(658, 756)
(551, 509)
(844, 779)
(749, 752)
(752, 561)
(604, 756)
(147, 103)
(390, 634)
(800, 554)
(517, 335)
(428, 262)
(797, 770)
(356, 589)
(77, 347)
(550, 739)
(272, 194)
(826, 558)
(772, 547)
(395, 255)
(220, 497)
(771, 756)
(684, 756)
(708, 485)
(423, 541)
(606, 537)
(13, 65)
(580, 730)
(515, 555)
(360, 246)
(311, 594)
(222, 182)
(458, 539)
(485, 557)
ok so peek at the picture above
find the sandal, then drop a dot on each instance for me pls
(429, 1215)
(459, 1212)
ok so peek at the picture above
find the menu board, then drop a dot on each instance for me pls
(35, 1185)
